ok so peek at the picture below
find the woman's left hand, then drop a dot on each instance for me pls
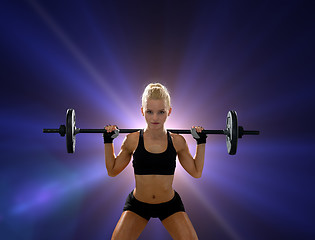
(198, 128)
(198, 135)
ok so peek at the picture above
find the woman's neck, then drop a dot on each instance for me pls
(155, 133)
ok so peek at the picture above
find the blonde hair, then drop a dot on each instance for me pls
(156, 91)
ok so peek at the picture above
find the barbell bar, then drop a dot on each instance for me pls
(232, 131)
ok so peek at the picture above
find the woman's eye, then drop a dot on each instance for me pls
(149, 112)
(162, 112)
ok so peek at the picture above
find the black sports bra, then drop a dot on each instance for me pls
(146, 163)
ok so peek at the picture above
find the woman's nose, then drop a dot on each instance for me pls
(155, 116)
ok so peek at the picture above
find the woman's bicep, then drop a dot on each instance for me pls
(184, 156)
(123, 158)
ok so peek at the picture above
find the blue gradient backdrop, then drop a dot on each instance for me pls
(255, 57)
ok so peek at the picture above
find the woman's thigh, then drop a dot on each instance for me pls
(129, 226)
(179, 226)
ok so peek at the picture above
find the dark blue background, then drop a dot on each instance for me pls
(255, 57)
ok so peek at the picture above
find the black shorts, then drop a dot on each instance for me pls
(159, 210)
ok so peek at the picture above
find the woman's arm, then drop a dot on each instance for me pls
(116, 165)
(193, 165)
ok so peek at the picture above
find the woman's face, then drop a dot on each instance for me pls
(155, 113)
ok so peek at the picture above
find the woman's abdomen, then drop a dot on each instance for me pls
(154, 188)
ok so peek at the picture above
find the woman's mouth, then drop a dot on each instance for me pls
(155, 123)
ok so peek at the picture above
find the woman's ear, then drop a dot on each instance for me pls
(169, 111)
(142, 111)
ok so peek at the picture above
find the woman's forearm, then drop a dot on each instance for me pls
(200, 158)
(109, 157)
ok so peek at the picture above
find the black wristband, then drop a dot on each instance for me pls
(108, 137)
(202, 139)
(199, 137)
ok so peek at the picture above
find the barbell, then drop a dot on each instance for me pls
(232, 131)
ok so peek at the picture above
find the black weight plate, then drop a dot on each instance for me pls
(70, 130)
(232, 132)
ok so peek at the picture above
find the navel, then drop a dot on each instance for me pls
(153, 196)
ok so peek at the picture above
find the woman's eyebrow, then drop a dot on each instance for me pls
(148, 109)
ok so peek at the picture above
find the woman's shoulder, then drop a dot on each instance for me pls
(177, 137)
(133, 136)
(131, 140)
(178, 141)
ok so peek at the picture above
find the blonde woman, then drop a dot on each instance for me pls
(154, 152)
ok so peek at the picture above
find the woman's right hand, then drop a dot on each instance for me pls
(112, 132)
(111, 128)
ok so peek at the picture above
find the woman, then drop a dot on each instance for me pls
(154, 152)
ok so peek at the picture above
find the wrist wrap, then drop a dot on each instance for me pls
(199, 137)
(110, 136)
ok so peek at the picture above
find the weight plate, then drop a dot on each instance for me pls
(231, 132)
(70, 130)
